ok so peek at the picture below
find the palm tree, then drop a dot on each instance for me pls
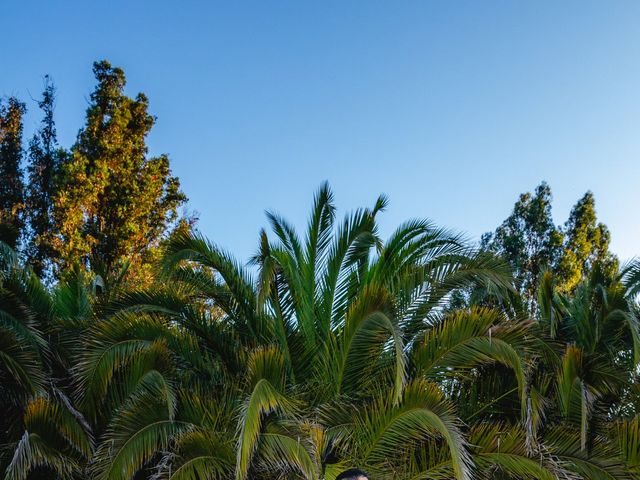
(43, 434)
(332, 350)
(583, 385)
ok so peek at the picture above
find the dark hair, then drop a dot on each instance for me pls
(352, 474)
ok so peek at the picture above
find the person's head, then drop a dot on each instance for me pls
(353, 474)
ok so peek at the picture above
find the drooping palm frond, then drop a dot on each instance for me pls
(120, 351)
(437, 279)
(500, 450)
(32, 452)
(600, 462)
(630, 275)
(9, 260)
(199, 454)
(192, 259)
(627, 435)
(266, 386)
(387, 431)
(53, 439)
(282, 453)
(23, 348)
(205, 447)
(21, 367)
(464, 340)
(368, 328)
(140, 429)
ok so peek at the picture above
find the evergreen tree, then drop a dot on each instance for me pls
(587, 244)
(11, 186)
(528, 238)
(530, 241)
(116, 203)
(45, 157)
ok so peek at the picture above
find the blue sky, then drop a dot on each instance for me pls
(450, 108)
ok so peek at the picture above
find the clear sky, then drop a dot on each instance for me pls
(452, 108)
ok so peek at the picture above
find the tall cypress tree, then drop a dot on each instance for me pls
(115, 202)
(11, 182)
(44, 162)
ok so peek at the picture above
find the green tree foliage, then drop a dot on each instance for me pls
(530, 241)
(44, 161)
(115, 202)
(11, 184)
(586, 245)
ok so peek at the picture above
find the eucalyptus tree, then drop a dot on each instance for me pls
(530, 241)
